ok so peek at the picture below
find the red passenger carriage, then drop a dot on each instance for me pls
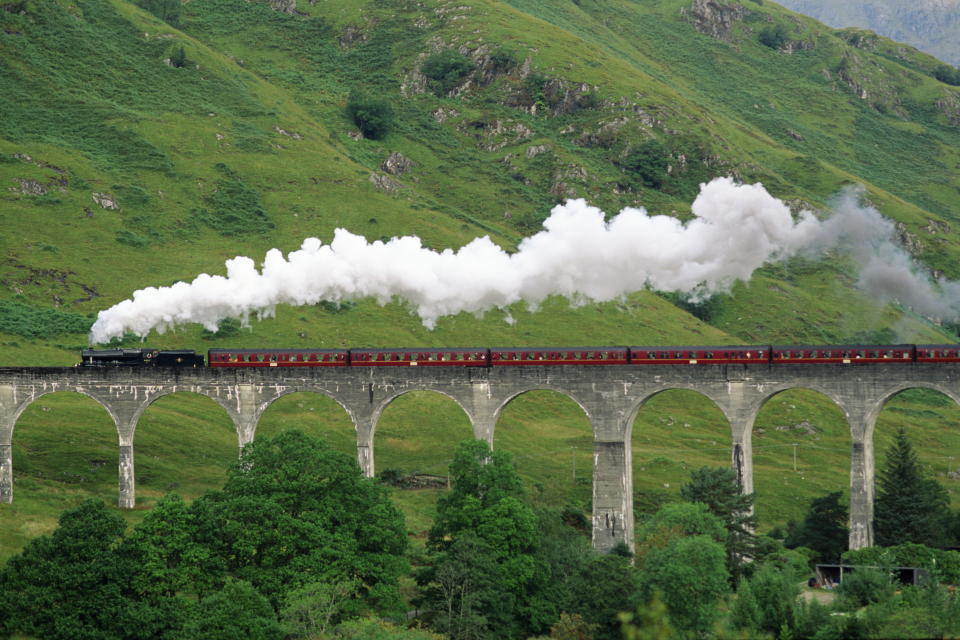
(523, 356)
(842, 354)
(418, 357)
(277, 357)
(699, 355)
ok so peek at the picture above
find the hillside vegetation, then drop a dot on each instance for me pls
(142, 144)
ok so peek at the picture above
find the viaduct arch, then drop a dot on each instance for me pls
(610, 397)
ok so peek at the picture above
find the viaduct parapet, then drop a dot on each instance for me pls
(609, 395)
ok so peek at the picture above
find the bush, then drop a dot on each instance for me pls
(648, 162)
(446, 70)
(863, 587)
(373, 116)
(947, 74)
(166, 10)
(774, 36)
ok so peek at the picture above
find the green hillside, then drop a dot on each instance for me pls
(138, 151)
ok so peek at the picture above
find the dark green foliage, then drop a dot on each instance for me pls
(943, 565)
(691, 576)
(446, 70)
(824, 529)
(504, 59)
(864, 586)
(947, 74)
(603, 587)
(717, 487)
(486, 538)
(909, 507)
(294, 511)
(234, 207)
(774, 592)
(22, 319)
(70, 585)
(704, 308)
(178, 57)
(648, 162)
(228, 328)
(774, 36)
(166, 10)
(235, 611)
(373, 115)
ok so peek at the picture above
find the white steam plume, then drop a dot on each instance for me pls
(736, 229)
(887, 272)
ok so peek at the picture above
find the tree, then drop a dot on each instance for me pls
(690, 575)
(483, 520)
(909, 506)
(374, 116)
(72, 585)
(236, 611)
(604, 586)
(824, 528)
(718, 488)
(293, 512)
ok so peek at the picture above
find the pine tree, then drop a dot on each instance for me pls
(717, 487)
(909, 506)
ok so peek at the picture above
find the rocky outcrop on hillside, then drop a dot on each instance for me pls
(714, 18)
(929, 25)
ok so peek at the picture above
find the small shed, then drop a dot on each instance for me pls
(832, 574)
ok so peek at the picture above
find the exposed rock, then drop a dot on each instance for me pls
(498, 134)
(351, 36)
(563, 190)
(793, 134)
(289, 134)
(803, 427)
(441, 115)
(284, 6)
(949, 105)
(714, 18)
(909, 241)
(385, 183)
(30, 187)
(355, 134)
(936, 226)
(106, 201)
(397, 164)
(535, 150)
(604, 136)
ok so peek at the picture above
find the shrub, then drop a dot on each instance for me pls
(648, 162)
(446, 69)
(774, 36)
(947, 74)
(166, 10)
(863, 587)
(373, 116)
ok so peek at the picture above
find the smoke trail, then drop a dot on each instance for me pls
(887, 272)
(736, 229)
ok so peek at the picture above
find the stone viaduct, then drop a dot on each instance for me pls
(610, 396)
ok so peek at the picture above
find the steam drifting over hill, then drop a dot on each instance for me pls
(736, 229)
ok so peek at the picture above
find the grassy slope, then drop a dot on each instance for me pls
(89, 99)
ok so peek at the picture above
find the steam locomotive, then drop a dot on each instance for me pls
(525, 356)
